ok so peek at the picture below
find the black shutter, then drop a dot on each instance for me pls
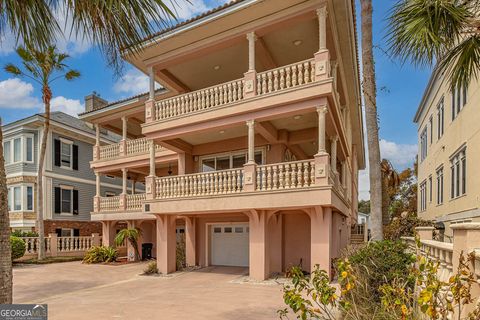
(75, 201)
(58, 232)
(57, 200)
(75, 157)
(56, 147)
(76, 232)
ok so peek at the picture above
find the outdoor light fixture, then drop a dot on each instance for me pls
(217, 67)
(221, 131)
(297, 117)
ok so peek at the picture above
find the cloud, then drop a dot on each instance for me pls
(185, 10)
(400, 155)
(17, 94)
(70, 106)
(132, 82)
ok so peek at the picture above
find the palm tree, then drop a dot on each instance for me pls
(390, 183)
(112, 25)
(43, 67)
(5, 247)
(370, 100)
(131, 235)
(438, 31)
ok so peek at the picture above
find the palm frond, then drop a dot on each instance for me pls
(71, 75)
(423, 31)
(12, 69)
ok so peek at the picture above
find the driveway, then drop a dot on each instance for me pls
(76, 291)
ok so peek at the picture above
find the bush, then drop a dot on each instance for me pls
(99, 254)
(378, 263)
(20, 233)
(18, 247)
(180, 254)
(404, 226)
(151, 268)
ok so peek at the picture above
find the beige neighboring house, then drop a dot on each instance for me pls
(449, 153)
(253, 148)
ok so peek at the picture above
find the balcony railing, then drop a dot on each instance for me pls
(135, 201)
(132, 147)
(289, 175)
(110, 204)
(199, 184)
(285, 77)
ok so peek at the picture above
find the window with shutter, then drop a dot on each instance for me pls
(75, 201)
(58, 199)
(57, 152)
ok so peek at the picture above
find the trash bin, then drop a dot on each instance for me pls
(147, 251)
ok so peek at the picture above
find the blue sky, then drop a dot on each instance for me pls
(400, 87)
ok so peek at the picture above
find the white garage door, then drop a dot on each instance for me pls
(229, 245)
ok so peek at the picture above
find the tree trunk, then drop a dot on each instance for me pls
(385, 203)
(41, 162)
(5, 247)
(369, 96)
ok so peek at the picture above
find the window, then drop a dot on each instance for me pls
(20, 198)
(459, 99)
(440, 185)
(66, 154)
(430, 186)
(228, 161)
(431, 129)
(227, 230)
(66, 201)
(423, 144)
(458, 167)
(440, 119)
(109, 194)
(18, 149)
(423, 196)
(66, 232)
(7, 153)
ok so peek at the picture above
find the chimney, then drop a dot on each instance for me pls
(94, 102)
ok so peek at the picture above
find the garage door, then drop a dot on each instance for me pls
(229, 245)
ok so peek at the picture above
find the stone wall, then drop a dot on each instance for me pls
(86, 227)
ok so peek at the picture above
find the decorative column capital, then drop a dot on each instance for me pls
(250, 123)
(251, 36)
(322, 109)
(334, 138)
(322, 12)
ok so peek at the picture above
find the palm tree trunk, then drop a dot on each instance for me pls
(369, 96)
(385, 203)
(5, 247)
(41, 161)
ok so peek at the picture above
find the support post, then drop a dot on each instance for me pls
(321, 238)
(190, 245)
(150, 186)
(250, 77)
(251, 141)
(251, 37)
(108, 234)
(166, 244)
(322, 157)
(333, 153)
(95, 239)
(425, 233)
(131, 253)
(53, 244)
(151, 78)
(259, 263)
(322, 57)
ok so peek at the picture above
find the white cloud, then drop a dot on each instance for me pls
(15, 94)
(400, 155)
(70, 106)
(185, 10)
(132, 82)
(7, 43)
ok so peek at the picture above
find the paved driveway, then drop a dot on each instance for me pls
(76, 291)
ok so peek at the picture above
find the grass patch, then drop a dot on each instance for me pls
(48, 260)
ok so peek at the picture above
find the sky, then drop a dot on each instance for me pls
(400, 87)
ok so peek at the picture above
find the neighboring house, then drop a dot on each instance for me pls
(363, 218)
(449, 150)
(253, 149)
(69, 182)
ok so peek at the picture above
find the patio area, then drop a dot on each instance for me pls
(76, 291)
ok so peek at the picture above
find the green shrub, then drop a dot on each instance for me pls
(381, 262)
(100, 254)
(18, 247)
(20, 233)
(151, 268)
(180, 254)
(404, 226)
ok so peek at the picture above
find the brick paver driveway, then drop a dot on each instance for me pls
(76, 291)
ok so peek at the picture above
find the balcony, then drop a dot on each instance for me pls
(254, 85)
(122, 203)
(131, 148)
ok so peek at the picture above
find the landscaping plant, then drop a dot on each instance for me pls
(181, 258)
(18, 247)
(151, 268)
(99, 254)
(131, 235)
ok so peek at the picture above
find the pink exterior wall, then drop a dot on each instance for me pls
(296, 240)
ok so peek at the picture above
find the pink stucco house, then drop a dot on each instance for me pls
(252, 148)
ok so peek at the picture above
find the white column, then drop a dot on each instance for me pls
(152, 158)
(251, 141)
(151, 74)
(322, 28)
(251, 50)
(321, 111)
(97, 184)
(333, 153)
(97, 134)
(124, 180)
(133, 186)
(124, 128)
